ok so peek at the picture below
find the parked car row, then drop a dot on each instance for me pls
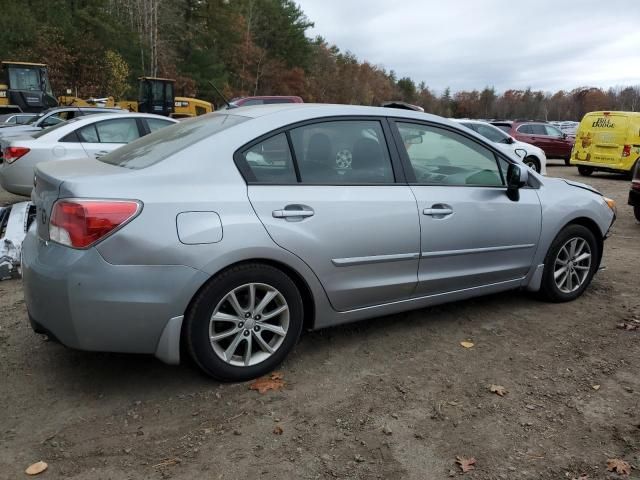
(91, 133)
(534, 157)
(225, 235)
(552, 140)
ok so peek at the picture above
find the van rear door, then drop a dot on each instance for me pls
(601, 137)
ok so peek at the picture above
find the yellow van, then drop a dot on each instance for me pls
(607, 141)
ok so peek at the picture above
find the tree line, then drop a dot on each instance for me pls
(97, 48)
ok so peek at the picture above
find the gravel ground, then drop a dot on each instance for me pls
(396, 397)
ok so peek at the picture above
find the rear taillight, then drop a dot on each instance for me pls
(81, 223)
(11, 154)
(626, 151)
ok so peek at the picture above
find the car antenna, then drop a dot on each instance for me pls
(229, 105)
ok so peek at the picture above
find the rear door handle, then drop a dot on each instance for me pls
(101, 153)
(437, 211)
(306, 212)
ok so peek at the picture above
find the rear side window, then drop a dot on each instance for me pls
(348, 152)
(270, 161)
(122, 130)
(88, 134)
(160, 145)
(156, 124)
(526, 129)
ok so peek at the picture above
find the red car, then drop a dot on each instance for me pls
(552, 140)
(264, 100)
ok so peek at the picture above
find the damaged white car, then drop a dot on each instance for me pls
(14, 223)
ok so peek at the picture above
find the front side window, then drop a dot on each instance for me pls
(52, 120)
(537, 129)
(343, 152)
(553, 131)
(442, 157)
(492, 133)
(270, 161)
(122, 130)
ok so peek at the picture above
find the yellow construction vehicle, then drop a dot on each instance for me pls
(25, 87)
(155, 95)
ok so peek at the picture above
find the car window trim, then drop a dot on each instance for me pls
(406, 161)
(250, 178)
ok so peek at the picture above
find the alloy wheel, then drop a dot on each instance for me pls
(249, 324)
(572, 265)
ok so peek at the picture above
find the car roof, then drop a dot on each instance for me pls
(100, 116)
(317, 110)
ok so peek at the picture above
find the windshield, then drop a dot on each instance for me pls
(492, 133)
(53, 128)
(29, 78)
(163, 143)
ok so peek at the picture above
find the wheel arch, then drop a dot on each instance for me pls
(308, 301)
(593, 227)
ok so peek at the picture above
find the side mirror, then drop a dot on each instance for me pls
(517, 177)
(521, 152)
(564, 136)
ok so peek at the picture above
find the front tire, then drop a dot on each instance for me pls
(585, 171)
(532, 163)
(636, 212)
(244, 322)
(570, 264)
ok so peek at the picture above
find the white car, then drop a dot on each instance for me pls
(91, 136)
(534, 158)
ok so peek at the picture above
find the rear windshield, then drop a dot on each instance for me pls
(163, 143)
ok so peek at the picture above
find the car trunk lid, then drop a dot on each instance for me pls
(52, 181)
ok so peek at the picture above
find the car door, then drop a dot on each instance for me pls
(472, 234)
(558, 146)
(337, 201)
(104, 136)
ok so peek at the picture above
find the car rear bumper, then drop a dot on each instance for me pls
(89, 304)
(623, 166)
(16, 179)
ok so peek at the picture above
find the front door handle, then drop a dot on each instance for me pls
(438, 210)
(293, 213)
(101, 153)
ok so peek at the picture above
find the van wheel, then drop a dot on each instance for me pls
(244, 322)
(570, 264)
(636, 212)
(532, 163)
(585, 171)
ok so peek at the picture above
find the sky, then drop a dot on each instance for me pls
(467, 44)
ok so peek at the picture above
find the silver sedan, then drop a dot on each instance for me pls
(88, 136)
(230, 233)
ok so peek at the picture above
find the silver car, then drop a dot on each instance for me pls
(87, 136)
(230, 233)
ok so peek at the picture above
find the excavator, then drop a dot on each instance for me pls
(155, 95)
(25, 87)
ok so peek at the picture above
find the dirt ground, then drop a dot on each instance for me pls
(396, 397)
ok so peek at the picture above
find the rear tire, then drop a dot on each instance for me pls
(636, 212)
(567, 162)
(585, 171)
(533, 163)
(570, 264)
(231, 335)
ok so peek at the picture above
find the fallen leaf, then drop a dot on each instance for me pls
(628, 326)
(498, 390)
(466, 464)
(36, 468)
(264, 384)
(596, 387)
(618, 466)
(278, 430)
(467, 344)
